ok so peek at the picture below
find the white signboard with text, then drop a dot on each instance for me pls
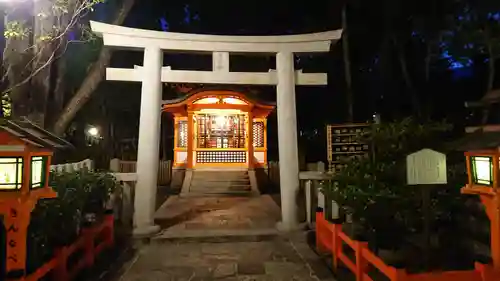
(426, 166)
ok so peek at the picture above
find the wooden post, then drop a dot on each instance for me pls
(319, 232)
(336, 245)
(110, 229)
(88, 236)
(61, 270)
(308, 195)
(361, 263)
(495, 171)
(426, 209)
(492, 205)
(469, 174)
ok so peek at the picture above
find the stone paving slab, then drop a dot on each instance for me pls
(276, 259)
(224, 238)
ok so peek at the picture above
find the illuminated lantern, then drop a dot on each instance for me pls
(482, 169)
(25, 156)
(482, 160)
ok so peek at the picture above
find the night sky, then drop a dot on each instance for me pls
(316, 106)
(375, 90)
(377, 83)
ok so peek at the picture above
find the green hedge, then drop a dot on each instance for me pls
(57, 222)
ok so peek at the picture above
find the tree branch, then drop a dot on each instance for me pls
(94, 77)
(79, 12)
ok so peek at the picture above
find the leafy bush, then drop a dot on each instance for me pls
(374, 190)
(57, 222)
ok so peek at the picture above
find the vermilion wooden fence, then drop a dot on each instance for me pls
(58, 265)
(330, 238)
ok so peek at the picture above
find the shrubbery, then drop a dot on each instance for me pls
(57, 222)
(387, 211)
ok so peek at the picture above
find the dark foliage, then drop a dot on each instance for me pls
(57, 222)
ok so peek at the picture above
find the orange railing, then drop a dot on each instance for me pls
(330, 238)
(58, 265)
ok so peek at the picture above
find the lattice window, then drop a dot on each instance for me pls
(182, 134)
(221, 131)
(258, 134)
(221, 157)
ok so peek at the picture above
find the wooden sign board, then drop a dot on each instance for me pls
(426, 167)
(343, 143)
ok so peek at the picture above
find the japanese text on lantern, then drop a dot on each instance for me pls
(12, 230)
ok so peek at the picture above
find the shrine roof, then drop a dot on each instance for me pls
(32, 134)
(219, 91)
(478, 140)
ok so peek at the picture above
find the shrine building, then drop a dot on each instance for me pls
(219, 129)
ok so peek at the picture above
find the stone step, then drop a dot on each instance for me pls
(221, 174)
(221, 189)
(220, 178)
(230, 183)
(219, 183)
(219, 194)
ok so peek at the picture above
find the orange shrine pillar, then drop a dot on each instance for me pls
(250, 148)
(16, 221)
(190, 140)
(492, 206)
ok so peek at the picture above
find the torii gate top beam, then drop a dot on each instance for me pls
(120, 37)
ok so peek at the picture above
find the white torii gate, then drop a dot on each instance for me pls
(153, 74)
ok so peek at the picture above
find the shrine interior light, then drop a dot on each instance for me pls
(220, 120)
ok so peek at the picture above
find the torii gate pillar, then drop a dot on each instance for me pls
(149, 143)
(287, 137)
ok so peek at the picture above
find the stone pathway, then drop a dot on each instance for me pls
(209, 216)
(274, 259)
(224, 238)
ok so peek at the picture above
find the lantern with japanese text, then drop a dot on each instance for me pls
(25, 156)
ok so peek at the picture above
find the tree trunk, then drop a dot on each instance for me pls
(491, 69)
(93, 79)
(427, 63)
(56, 101)
(40, 83)
(17, 61)
(428, 107)
(347, 66)
(407, 78)
(491, 82)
